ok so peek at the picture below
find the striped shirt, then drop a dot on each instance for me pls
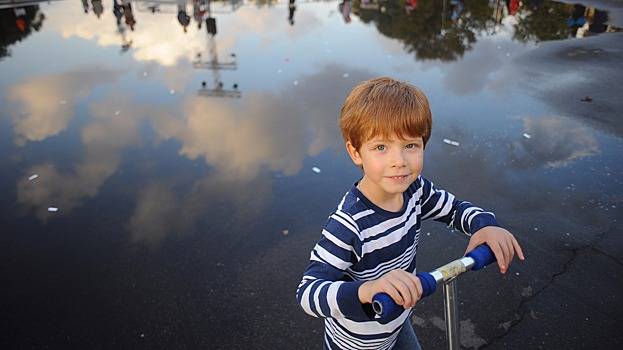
(362, 242)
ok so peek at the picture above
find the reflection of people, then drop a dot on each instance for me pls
(513, 7)
(117, 11)
(410, 5)
(344, 7)
(182, 16)
(199, 12)
(128, 14)
(369, 242)
(457, 8)
(20, 18)
(291, 10)
(98, 8)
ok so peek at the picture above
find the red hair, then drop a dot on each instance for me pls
(385, 107)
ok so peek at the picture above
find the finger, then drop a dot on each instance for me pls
(420, 289)
(499, 256)
(394, 294)
(471, 245)
(402, 289)
(518, 249)
(414, 288)
(511, 249)
(507, 251)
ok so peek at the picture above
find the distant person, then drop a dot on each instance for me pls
(369, 243)
(183, 17)
(344, 8)
(291, 10)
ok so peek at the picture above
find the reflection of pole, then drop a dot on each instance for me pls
(214, 65)
(443, 17)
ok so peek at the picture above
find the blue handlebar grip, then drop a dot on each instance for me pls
(429, 285)
(385, 307)
(482, 255)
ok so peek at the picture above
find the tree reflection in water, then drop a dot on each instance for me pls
(445, 30)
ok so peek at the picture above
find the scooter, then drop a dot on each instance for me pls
(384, 306)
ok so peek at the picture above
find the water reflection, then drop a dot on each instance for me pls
(169, 193)
(103, 140)
(16, 24)
(43, 106)
(552, 142)
(446, 30)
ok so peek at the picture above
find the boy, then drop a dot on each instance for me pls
(368, 244)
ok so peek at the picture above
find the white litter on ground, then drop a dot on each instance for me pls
(172, 91)
(527, 135)
(296, 82)
(52, 209)
(451, 142)
(117, 113)
(345, 75)
(32, 177)
(285, 232)
(316, 170)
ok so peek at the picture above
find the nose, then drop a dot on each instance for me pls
(398, 159)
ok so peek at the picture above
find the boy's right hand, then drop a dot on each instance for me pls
(404, 287)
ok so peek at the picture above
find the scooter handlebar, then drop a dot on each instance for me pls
(385, 307)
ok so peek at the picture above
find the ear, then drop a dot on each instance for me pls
(354, 154)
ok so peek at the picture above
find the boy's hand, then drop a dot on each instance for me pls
(501, 242)
(404, 287)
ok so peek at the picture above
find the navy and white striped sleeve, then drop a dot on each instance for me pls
(441, 205)
(324, 290)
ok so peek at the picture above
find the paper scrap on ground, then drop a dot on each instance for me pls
(316, 170)
(117, 113)
(527, 135)
(52, 209)
(32, 177)
(285, 232)
(451, 142)
(172, 91)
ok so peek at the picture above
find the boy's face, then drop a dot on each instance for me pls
(389, 165)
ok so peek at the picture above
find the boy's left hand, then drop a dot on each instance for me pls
(501, 242)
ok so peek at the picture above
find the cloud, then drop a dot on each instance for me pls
(262, 130)
(103, 139)
(554, 142)
(45, 105)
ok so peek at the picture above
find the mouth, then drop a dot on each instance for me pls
(398, 177)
